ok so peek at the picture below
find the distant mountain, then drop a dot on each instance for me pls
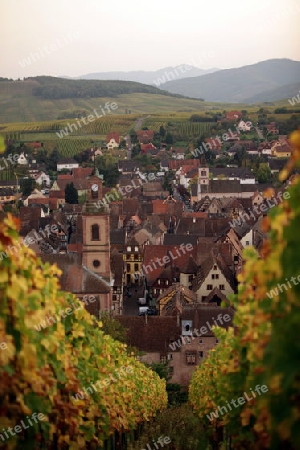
(272, 95)
(156, 78)
(241, 84)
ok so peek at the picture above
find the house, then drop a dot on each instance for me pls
(281, 150)
(276, 165)
(154, 190)
(243, 174)
(186, 174)
(94, 152)
(133, 263)
(56, 198)
(164, 164)
(116, 262)
(265, 148)
(233, 115)
(22, 160)
(175, 164)
(41, 178)
(215, 144)
(125, 166)
(159, 276)
(35, 144)
(152, 336)
(81, 281)
(7, 195)
(177, 153)
(36, 197)
(244, 126)
(272, 128)
(112, 140)
(29, 218)
(146, 148)
(213, 273)
(67, 163)
(226, 188)
(145, 136)
(177, 339)
(13, 184)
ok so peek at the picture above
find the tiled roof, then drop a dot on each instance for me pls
(203, 314)
(75, 277)
(81, 172)
(175, 164)
(151, 333)
(113, 135)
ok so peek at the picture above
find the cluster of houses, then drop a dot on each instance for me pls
(183, 261)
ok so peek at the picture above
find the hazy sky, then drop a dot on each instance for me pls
(143, 35)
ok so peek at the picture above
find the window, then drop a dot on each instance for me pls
(215, 276)
(158, 282)
(200, 354)
(203, 173)
(209, 287)
(96, 263)
(127, 267)
(190, 357)
(171, 371)
(167, 282)
(95, 232)
(215, 267)
(129, 249)
(136, 249)
(187, 327)
(200, 341)
(170, 356)
(222, 287)
(217, 341)
(163, 359)
(247, 243)
(136, 267)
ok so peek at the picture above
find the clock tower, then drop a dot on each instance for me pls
(96, 231)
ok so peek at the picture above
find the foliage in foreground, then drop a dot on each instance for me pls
(264, 350)
(40, 371)
(180, 425)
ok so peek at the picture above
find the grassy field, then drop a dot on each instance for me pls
(18, 104)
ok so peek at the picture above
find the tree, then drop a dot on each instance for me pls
(168, 182)
(169, 139)
(264, 174)
(53, 160)
(71, 194)
(162, 131)
(107, 165)
(27, 185)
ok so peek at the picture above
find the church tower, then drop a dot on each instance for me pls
(203, 180)
(96, 231)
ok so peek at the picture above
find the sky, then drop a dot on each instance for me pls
(72, 37)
